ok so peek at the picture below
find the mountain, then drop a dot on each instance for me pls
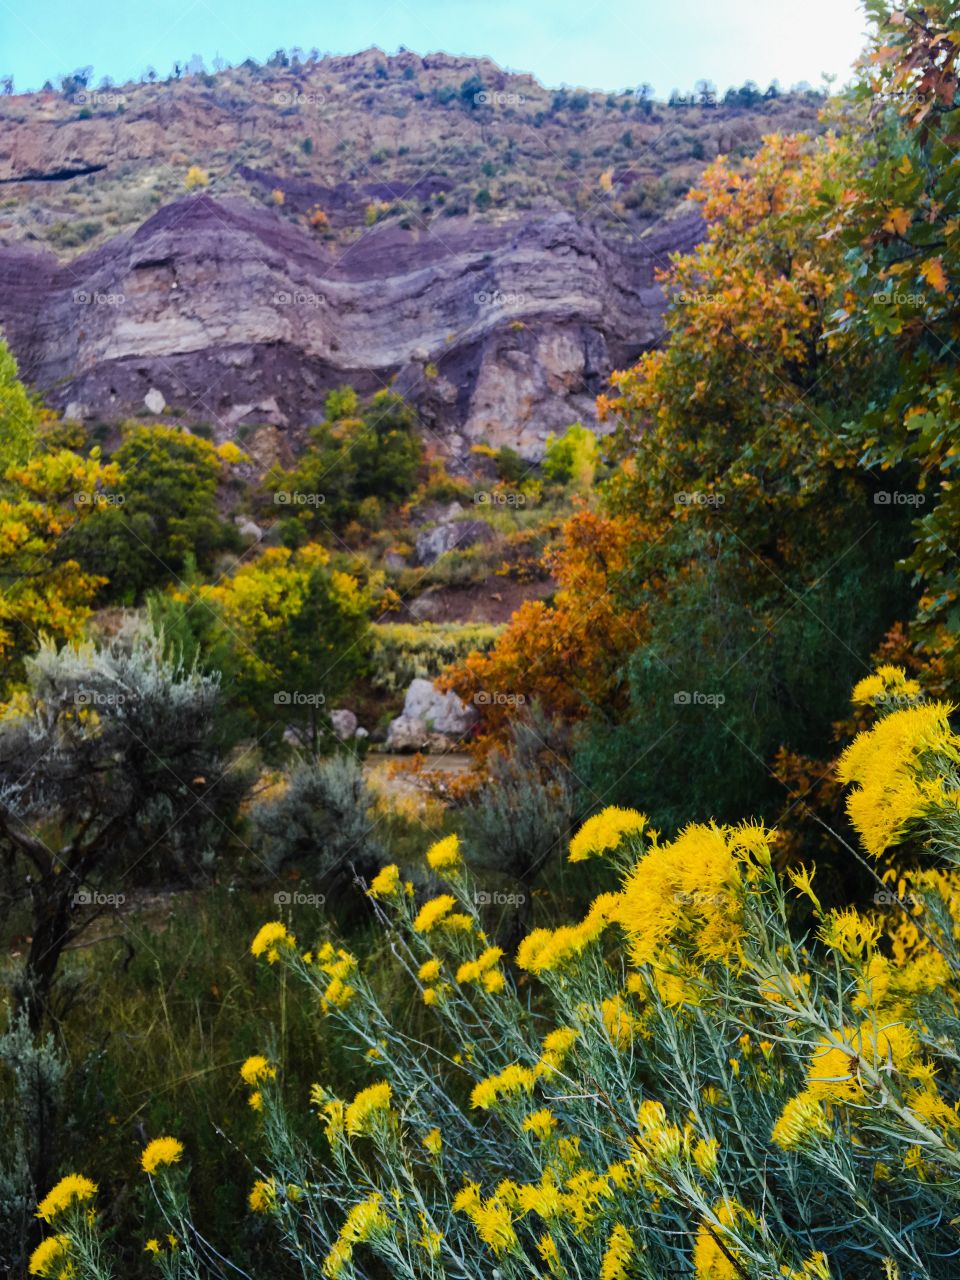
(225, 249)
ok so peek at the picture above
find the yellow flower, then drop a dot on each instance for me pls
(152, 1246)
(556, 1045)
(545, 950)
(159, 1152)
(605, 831)
(492, 1219)
(710, 1262)
(49, 1258)
(386, 882)
(256, 1069)
(690, 888)
(888, 683)
(445, 854)
(263, 1196)
(802, 1119)
(620, 1249)
(849, 933)
(540, 1123)
(619, 1023)
(364, 1220)
(834, 1072)
(256, 1100)
(429, 1240)
(430, 996)
(509, 1081)
(74, 1188)
(429, 971)
(802, 879)
(888, 764)
(366, 1107)
(473, 970)
(547, 1249)
(705, 1156)
(432, 912)
(433, 1142)
(269, 939)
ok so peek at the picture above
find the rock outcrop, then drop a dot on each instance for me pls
(430, 721)
(222, 312)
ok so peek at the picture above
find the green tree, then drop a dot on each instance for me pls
(161, 510)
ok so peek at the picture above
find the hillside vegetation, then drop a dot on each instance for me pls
(668, 982)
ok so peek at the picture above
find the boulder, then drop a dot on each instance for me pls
(154, 401)
(344, 723)
(430, 719)
(435, 542)
(249, 530)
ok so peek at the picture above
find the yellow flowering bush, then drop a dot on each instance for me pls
(709, 1075)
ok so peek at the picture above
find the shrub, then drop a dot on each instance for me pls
(356, 453)
(160, 513)
(403, 651)
(321, 819)
(718, 1077)
(571, 459)
(107, 769)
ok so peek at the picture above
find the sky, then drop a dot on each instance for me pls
(597, 44)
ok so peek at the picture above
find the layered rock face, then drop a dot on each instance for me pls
(499, 331)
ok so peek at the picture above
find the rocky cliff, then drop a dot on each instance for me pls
(501, 332)
(425, 223)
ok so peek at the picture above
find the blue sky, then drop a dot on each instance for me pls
(603, 44)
